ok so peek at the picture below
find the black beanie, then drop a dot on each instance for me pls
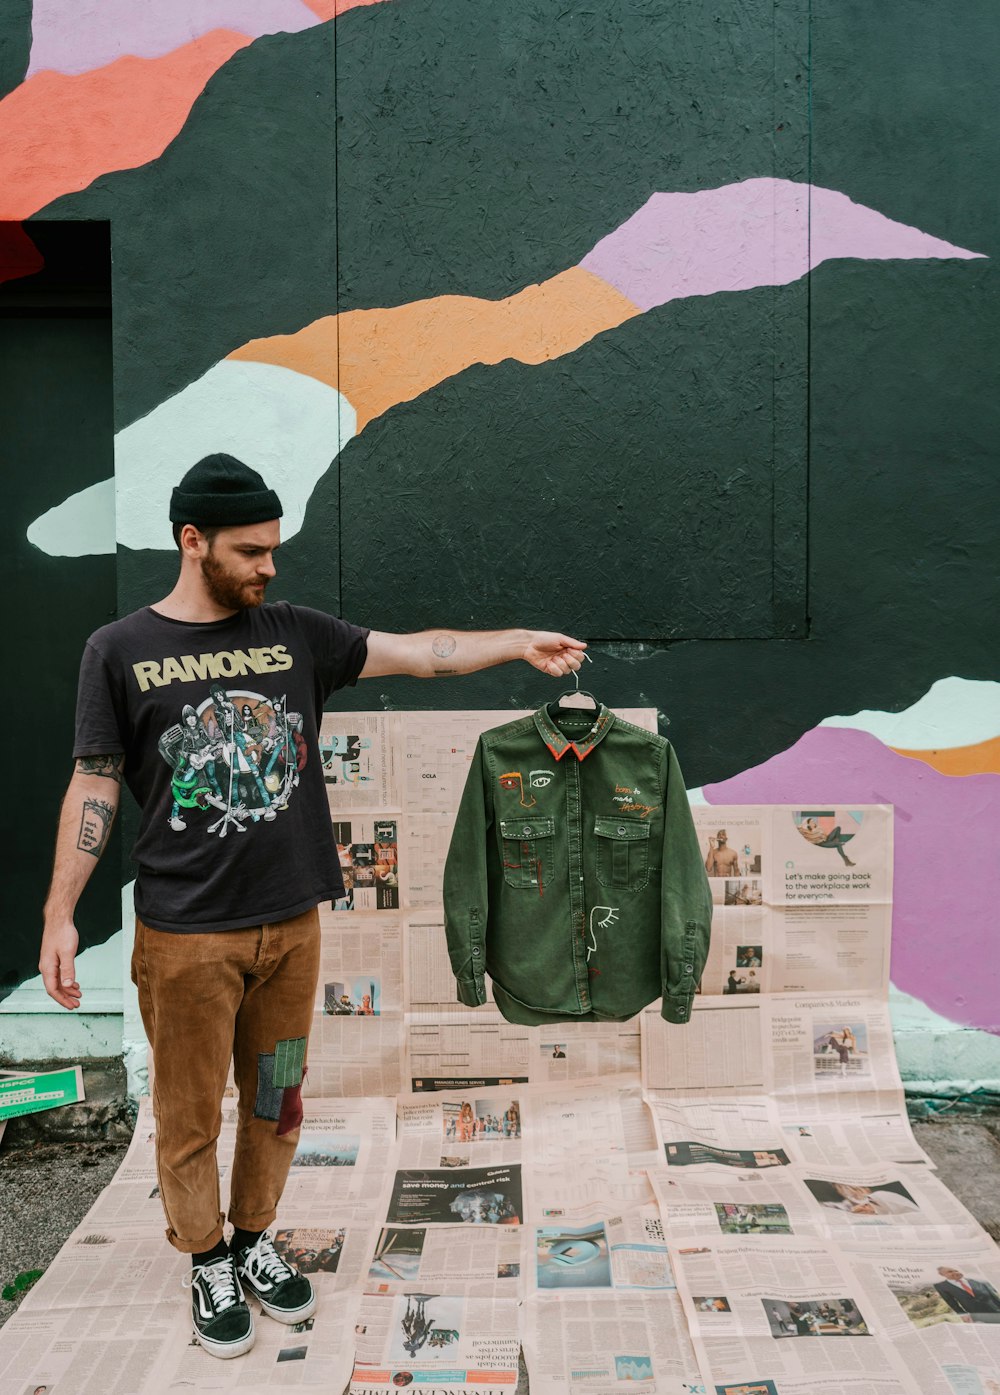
(222, 491)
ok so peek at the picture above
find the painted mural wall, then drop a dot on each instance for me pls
(673, 327)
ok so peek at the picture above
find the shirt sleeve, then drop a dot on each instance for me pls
(685, 901)
(466, 889)
(100, 719)
(339, 649)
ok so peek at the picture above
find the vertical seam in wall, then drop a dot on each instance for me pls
(336, 307)
(809, 284)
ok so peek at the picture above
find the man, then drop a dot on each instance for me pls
(226, 950)
(722, 860)
(974, 1298)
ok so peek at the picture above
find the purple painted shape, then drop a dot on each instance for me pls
(87, 34)
(762, 232)
(947, 873)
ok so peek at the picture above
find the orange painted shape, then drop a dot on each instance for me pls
(327, 9)
(60, 132)
(388, 356)
(981, 759)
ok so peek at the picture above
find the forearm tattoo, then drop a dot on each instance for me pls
(95, 825)
(444, 646)
(108, 766)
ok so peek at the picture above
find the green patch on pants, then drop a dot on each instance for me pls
(289, 1059)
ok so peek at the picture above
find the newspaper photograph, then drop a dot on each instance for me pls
(583, 1343)
(449, 1340)
(468, 1196)
(622, 1251)
(458, 1129)
(368, 846)
(359, 752)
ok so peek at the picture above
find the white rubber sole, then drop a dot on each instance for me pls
(285, 1315)
(225, 1350)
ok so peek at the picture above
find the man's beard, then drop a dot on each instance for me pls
(226, 589)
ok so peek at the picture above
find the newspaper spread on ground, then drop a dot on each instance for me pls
(639, 1204)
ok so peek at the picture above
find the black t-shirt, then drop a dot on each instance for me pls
(219, 725)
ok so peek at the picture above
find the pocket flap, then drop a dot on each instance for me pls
(621, 826)
(527, 828)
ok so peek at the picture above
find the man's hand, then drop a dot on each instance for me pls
(56, 963)
(554, 654)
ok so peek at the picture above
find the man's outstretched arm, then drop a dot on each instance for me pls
(442, 652)
(88, 811)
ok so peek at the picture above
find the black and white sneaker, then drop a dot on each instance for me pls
(278, 1287)
(223, 1322)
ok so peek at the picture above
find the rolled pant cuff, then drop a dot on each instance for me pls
(242, 1220)
(197, 1247)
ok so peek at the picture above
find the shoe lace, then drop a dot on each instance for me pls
(263, 1259)
(220, 1277)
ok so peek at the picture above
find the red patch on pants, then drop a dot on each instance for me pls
(290, 1116)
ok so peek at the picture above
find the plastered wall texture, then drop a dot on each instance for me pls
(671, 327)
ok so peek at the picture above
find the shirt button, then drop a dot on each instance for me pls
(621, 832)
(526, 829)
(689, 968)
(476, 951)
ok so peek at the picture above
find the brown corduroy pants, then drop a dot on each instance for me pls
(240, 995)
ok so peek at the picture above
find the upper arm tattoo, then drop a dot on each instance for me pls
(95, 825)
(108, 766)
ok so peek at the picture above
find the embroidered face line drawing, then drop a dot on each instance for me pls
(538, 779)
(601, 917)
(512, 780)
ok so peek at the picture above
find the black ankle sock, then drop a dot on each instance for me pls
(218, 1251)
(243, 1239)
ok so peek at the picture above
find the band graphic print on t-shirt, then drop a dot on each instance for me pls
(238, 753)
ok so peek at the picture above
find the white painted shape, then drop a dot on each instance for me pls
(696, 796)
(953, 712)
(98, 974)
(81, 526)
(287, 425)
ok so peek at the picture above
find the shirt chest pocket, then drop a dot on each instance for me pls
(527, 852)
(622, 852)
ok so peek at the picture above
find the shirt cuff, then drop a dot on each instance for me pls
(471, 993)
(676, 1009)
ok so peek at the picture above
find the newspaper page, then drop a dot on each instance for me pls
(939, 1307)
(834, 1078)
(783, 1314)
(801, 898)
(356, 1043)
(588, 1145)
(452, 1342)
(719, 1051)
(460, 1049)
(581, 1342)
(905, 1205)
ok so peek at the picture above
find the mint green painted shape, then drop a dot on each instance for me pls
(82, 525)
(289, 1059)
(953, 712)
(99, 974)
(30, 1094)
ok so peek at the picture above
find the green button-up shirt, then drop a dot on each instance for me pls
(575, 877)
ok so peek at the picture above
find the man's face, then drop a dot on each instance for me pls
(238, 563)
(947, 1273)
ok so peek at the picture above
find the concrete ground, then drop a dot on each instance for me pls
(48, 1187)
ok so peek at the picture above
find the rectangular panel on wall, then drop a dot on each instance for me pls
(572, 252)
